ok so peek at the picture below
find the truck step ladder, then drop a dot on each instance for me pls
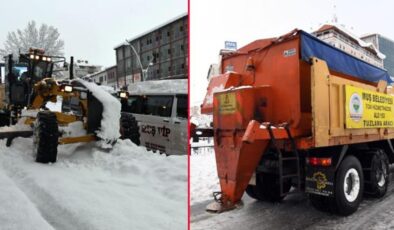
(295, 157)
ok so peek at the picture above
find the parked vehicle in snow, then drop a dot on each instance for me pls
(296, 111)
(160, 108)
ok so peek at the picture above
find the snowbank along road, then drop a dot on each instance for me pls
(294, 212)
(89, 188)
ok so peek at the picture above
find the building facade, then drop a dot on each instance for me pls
(162, 54)
(342, 39)
(82, 68)
(105, 77)
(386, 46)
(99, 77)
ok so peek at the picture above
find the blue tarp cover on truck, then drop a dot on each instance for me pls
(340, 61)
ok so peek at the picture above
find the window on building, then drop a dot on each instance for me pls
(181, 28)
(169, 51)
(168, 33)
(119, 53)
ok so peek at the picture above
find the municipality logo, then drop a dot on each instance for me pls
(356, 107)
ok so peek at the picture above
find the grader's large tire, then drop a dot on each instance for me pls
(267, 188)
(349, 187)
(129, 128)
(45, 137)
(376, 172)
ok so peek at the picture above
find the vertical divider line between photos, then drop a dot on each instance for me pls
(188, 117)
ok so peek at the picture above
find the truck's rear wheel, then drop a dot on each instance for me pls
(267, 188)
(45, 137)
(129, 128)
(376, 172)
(349, 187)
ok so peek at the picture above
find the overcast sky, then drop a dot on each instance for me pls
(213, 22)
(90, 28)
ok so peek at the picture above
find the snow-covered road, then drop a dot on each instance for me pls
(89, 188)
(295, 212)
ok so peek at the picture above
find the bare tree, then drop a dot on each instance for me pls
(46, 37)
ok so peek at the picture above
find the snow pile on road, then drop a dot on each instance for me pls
(19, 126)
(161, 86)
(110, 125)
(16, 206)
(89, 188)
(203, 175)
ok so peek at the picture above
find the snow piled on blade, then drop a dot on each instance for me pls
(126, 187)
(110, 126)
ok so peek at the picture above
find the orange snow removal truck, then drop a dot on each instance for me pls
(295, 111)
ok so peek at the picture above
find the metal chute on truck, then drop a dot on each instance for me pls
(296, 111)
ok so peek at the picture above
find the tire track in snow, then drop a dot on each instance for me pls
(53, 212)
(12, 216)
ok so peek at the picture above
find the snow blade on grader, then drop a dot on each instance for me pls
(14, 134)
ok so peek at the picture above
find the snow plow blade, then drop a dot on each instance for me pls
(11, 135)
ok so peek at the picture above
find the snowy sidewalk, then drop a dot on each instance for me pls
(125, 188)
(203, 175)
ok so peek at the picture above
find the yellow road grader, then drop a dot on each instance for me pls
(29, 86)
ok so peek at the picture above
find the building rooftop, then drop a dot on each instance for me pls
(373, 34)
(343, 30)
(101, 71)
(151, 30)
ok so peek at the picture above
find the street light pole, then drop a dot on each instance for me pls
(143, 71)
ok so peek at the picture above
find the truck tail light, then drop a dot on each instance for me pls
(318, 161)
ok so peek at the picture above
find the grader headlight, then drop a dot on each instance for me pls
(68, 88)
(123, 95)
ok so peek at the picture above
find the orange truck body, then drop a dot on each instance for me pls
(266, 83)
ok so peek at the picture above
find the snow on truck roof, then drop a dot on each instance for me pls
(178, 86)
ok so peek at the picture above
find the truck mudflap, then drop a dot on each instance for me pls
(320, 181)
